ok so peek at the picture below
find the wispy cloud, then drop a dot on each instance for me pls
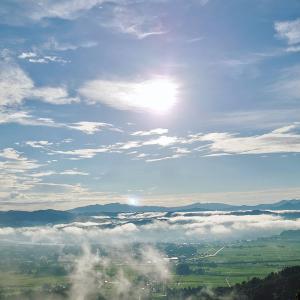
(293, 48)
(53, 95)
(83, 153)
(16, 86)
(126, 19)
(163, 158)
(11, 153)
(287, 86)
(156, 131)
(93, 127)
(123, 147)
(265, 119)
(71, 172)
(36, 11)
(195, 39)
(248, 64)
(25, 118)
(281, 140)
(8, 116)
(54, 45)
(16, 162)
(40, 59)
(38, 144)
(72, 9)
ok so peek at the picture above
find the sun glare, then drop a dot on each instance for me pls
(132, 200)
(158, 95)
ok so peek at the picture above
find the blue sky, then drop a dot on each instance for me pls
(148, 102)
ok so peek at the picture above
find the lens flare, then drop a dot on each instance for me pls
(158, 95)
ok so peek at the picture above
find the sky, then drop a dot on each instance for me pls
(148, 102)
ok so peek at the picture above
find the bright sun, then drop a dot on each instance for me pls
(158, 95)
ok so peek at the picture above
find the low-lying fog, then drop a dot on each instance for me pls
(91, 271)
(158, 227)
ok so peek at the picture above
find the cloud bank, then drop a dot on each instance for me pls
(154, 228)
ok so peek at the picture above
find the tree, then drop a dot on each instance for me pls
(183, 269)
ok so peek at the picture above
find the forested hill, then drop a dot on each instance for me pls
(284, 285)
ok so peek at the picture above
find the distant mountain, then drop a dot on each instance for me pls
(281, 205)
(125, 208)
(290, 234)
(43, 217)
(40, 217)
(115, 208)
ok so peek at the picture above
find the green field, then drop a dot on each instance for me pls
(212, 264)
(241, 261)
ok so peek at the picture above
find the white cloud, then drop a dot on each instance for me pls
(15, 162)
(83, 153)
(126, 16)
(53, 95)
(26, 55)
(182, 150)
(16, 86)
(43, 174)
(281, 140)
(286, 129)
(141, 155)
(71, 172)
(129, 21)
(24, 118)
(8, 116)
(34, 58)
(93, 127)
(178, 227)
(293, 48)
(53, 44)
(38, 60)
(63, 9)
(53, 58)
(285, 139)
(289, 30)
(11, 153)
(123, 147)
(164, 158)
(74, 172)
(38, 144)
(156, 95)
(13, 184)
(163, 141)
(157, 131)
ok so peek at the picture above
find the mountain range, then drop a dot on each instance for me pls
(42, 217)
(125, 208)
